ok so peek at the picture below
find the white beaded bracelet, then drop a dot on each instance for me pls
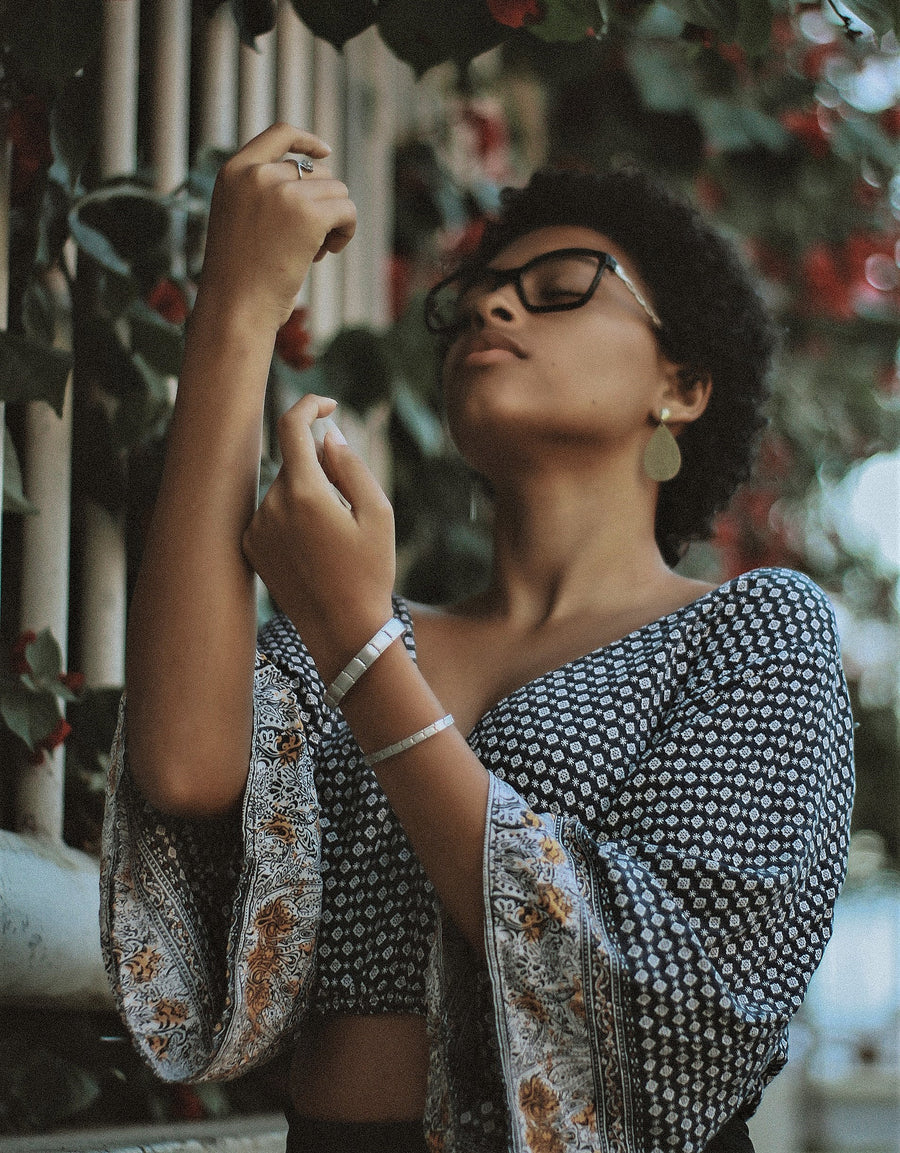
(409, 742)
(364, 659)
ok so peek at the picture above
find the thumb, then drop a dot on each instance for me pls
(348, 473)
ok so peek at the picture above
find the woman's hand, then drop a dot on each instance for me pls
(267, 225)
(328, 567)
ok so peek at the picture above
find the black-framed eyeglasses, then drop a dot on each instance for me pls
(555, 281)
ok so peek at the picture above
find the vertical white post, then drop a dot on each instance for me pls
(119, 67)
(294, 80)
(218, 92)
(171, 92)
(327, 278)
(45, 570)
(294, 68)
(256, 95)
(368, 148)
(170, 113)
(104, 564)
(5, 166)
(406, 97)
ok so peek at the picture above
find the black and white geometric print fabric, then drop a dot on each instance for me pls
(653, 920)
(710, 749)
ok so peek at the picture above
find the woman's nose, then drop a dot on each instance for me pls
(497, 303)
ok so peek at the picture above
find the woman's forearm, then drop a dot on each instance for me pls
(438, 789)
(192, 630)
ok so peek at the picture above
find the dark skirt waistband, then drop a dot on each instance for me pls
(311, 1135)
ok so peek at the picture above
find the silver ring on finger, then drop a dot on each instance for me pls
(303, 165)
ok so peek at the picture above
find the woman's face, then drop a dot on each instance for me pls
(520, 383)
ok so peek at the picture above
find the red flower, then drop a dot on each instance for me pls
(516, 13)
(489, 130)
(697, 34)
(735, 55)
(169, 301)
(465, 242)
(28, 128)
(400, 278)
(74, 682)
(57, 736)
(865, 194)
(827, 284)
(186, 1104)
(890, 121)
(709, 192)
(810, 127)
(293, 340)
(783, 33)
(770, 262)
(814, 58)
(20, 663)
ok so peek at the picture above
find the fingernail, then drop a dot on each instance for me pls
(336, 435)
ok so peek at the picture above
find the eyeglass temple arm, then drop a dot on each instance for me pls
(635, 292)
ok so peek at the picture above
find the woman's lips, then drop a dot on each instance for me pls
(485, 356)
(490, 348)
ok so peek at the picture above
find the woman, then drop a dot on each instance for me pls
(604, 815)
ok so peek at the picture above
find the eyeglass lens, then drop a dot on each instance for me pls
(549, 282)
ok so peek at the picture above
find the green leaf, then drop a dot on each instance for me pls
(73, 131)
(860, 138)
(32, 371)
(141, 412)
(337, 21)
(157, 340)
(731, 127)
(419, 421)
(14, 499)
(356, 368)
(569, 21)
(426, 35)
(31, 716)
(125, 227)
(754, 26)
(202, 176)
(97, 246)
(38, 313)
(881, 15)
(722, 16)
(253, 18)
(45, 659)
(663, 84)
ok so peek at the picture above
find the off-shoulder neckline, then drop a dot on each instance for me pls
(629, 638)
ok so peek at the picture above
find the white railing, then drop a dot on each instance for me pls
(359, 101)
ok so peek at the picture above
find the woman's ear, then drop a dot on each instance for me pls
(685, 400)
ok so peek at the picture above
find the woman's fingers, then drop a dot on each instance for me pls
(271, 144)
(349, 474)
(307, 470)
(296, 439)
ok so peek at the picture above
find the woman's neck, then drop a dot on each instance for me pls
(571, 542)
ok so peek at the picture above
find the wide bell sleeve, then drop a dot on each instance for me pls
(209, 927)
(641, 975)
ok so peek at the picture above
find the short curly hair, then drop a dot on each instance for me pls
(714, 322)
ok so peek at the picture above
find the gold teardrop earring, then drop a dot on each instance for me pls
(662, 456)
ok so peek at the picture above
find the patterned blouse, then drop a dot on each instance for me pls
(667, 832)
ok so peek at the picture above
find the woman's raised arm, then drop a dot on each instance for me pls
(192, 623)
